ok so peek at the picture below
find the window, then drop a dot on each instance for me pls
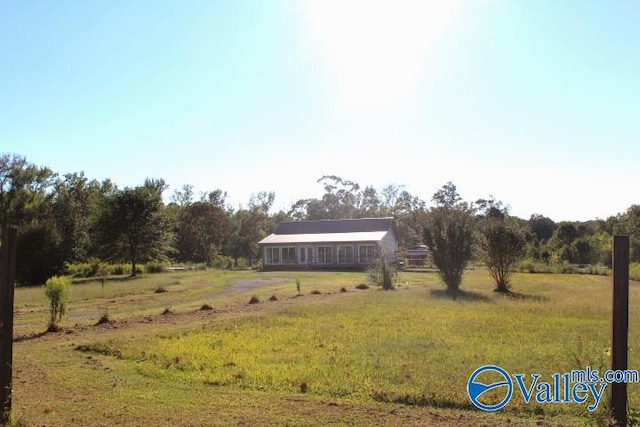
(277, 255)
(289, 255)
(272, 256)
(345, 254)
(303, 258)
(366, 254)
(325, 255)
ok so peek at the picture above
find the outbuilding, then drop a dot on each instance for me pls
(343, 244)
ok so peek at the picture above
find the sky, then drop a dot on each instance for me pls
(536, 103)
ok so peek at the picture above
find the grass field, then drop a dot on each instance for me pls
(326, 357)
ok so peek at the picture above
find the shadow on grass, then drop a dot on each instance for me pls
(29, 337)
(459, 294)
(520, 296)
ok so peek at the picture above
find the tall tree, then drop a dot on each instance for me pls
(203, 228)
(133, 225)
(21, 184)
(448, 234)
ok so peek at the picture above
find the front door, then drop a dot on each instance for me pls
(305, 255)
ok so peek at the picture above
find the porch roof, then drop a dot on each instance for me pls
(365, 236)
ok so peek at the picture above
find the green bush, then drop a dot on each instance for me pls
(155, 267)
(634, 271)
(381, 274)
(223, 262)
(57, 290)
(242, 263)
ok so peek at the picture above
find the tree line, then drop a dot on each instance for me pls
(72, 218)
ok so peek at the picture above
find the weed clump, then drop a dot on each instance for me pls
(254, 300)
(343, 289)
(167, 311)
(160, 289)
(103, 319)
(316, 292)
(206, 307)
(273, 298)
(362, 286)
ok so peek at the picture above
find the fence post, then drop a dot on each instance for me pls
(7, 279)
(620, 336)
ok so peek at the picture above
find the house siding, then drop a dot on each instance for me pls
(316, 264)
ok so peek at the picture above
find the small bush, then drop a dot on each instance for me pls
(254, 300)
(160, 289)
(273, 298)
(634, 271)
(316, 292)
(242, 263)
(223, 262)
(57, 289)
(343, 289)
(167, 311)
(362, 286)
(103, 319)
(206, 307)
(155, 267)
(381, 274)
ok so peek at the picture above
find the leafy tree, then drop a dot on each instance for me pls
(542, 227)
(133, 225)
(447, 196)
(502, 246)
(448, 234)
(21, 185)
(249, 226)
(76, 204)
(203, 227)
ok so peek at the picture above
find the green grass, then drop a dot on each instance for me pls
(357, 349)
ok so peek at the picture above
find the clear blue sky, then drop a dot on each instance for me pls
(534, 102)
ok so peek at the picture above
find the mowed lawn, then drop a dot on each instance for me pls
(334, 355)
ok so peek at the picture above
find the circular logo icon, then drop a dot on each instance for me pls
(476, 388)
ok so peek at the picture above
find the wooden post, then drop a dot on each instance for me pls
(619, 345)
(7, 279)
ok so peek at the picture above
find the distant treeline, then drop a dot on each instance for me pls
(71, 218)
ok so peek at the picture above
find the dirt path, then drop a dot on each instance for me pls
(240, 285)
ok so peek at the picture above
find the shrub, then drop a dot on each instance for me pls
(381, 274)
(206, 307)
(57, 289)
(155, 267)
(273, 298)
(160, 289)
(343, 289)
(634, 271)
(254, 300)
(362, 286)
(167, 311)
(242, 263)
(223, 262)
(103, 319)
(316, 292)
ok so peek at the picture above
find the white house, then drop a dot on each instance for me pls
(329, 244)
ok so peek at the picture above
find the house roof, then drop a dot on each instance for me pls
(330, 231)
(371, 236)
(360, 225)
